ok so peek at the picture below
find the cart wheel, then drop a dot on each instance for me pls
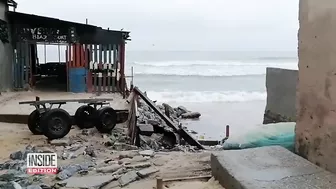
(84, 117)
(106, 119)
(56, 123)
(34, 122)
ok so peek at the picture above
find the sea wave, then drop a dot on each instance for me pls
(207, 68)
(214, 63)
(206, 96)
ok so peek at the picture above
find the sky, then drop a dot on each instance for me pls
(188, 25)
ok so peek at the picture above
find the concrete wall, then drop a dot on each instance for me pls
(281, 95)
(316, 98)
(5, 56)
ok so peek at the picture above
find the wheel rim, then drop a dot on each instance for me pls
(56, 124)
(107, 119)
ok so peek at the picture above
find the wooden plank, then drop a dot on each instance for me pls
(85, 100)
(105, 64)
(100, 75)
(185, 135)
(115, 66)
(21, 65)
(95, 76)
(109, 87)
(67, 65)
(89, 84)
(15, 59)
(207, 177)
(27, 65)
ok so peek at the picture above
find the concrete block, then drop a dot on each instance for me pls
(281, 95)
(268, 167)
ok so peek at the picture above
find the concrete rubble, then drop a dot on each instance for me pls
(89, 159)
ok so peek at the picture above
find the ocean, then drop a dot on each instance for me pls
(227, 88)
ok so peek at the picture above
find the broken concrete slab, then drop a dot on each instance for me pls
(138, 165)
(60, 142)
(149, 153)
(88, 181)
(146, 172)
(128, 178)
(109, 169)
(128, 154)
(268, 167)
(145, 129)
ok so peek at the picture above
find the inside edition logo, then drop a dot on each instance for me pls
(42, 163)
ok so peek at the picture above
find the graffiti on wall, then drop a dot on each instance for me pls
(4, 31)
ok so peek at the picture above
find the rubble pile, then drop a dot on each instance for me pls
(155, 133)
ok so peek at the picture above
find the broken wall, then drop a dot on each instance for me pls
(316, 98)
(281, 95)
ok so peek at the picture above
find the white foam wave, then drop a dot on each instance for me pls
(206, 96)
(211, 63)
(208, 68)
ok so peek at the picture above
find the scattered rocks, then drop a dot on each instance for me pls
(123, 146)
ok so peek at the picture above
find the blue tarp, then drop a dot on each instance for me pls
(281, 134)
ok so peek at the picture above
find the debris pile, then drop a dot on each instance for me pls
(154, 133)
(89, 159)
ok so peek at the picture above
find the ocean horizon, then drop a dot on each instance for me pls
(227, 88)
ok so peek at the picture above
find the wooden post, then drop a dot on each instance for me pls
(122, 68)
(159, 183)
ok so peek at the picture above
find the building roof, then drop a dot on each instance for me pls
(87, 33)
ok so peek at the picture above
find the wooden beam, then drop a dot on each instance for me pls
(184, 134)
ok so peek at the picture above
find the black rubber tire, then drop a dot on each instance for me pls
(106, 119)
(84, 117)
(56, 116)
(34, 122)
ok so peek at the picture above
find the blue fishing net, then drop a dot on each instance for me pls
(280, 134)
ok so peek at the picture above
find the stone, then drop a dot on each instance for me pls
(109, 169)
(127, 178)
(88, 182)
(123, 146)
(85, 132)
(113, 184)
(267, 167)
(159, 162)
(34, 187)
(60, 142)
(70, 170)
(191, 115)
(120, 171)
(145, 129)
(182, 109)
(17, 155)
(146, 172)
(138, 165)
(128, 154)
(149, 153)
(125, 161)
(153, 122)
(138, 159)
(90, 151)
(45, 149)
(10, 185)
(78, 152)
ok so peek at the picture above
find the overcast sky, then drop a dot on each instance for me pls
(235, 25)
